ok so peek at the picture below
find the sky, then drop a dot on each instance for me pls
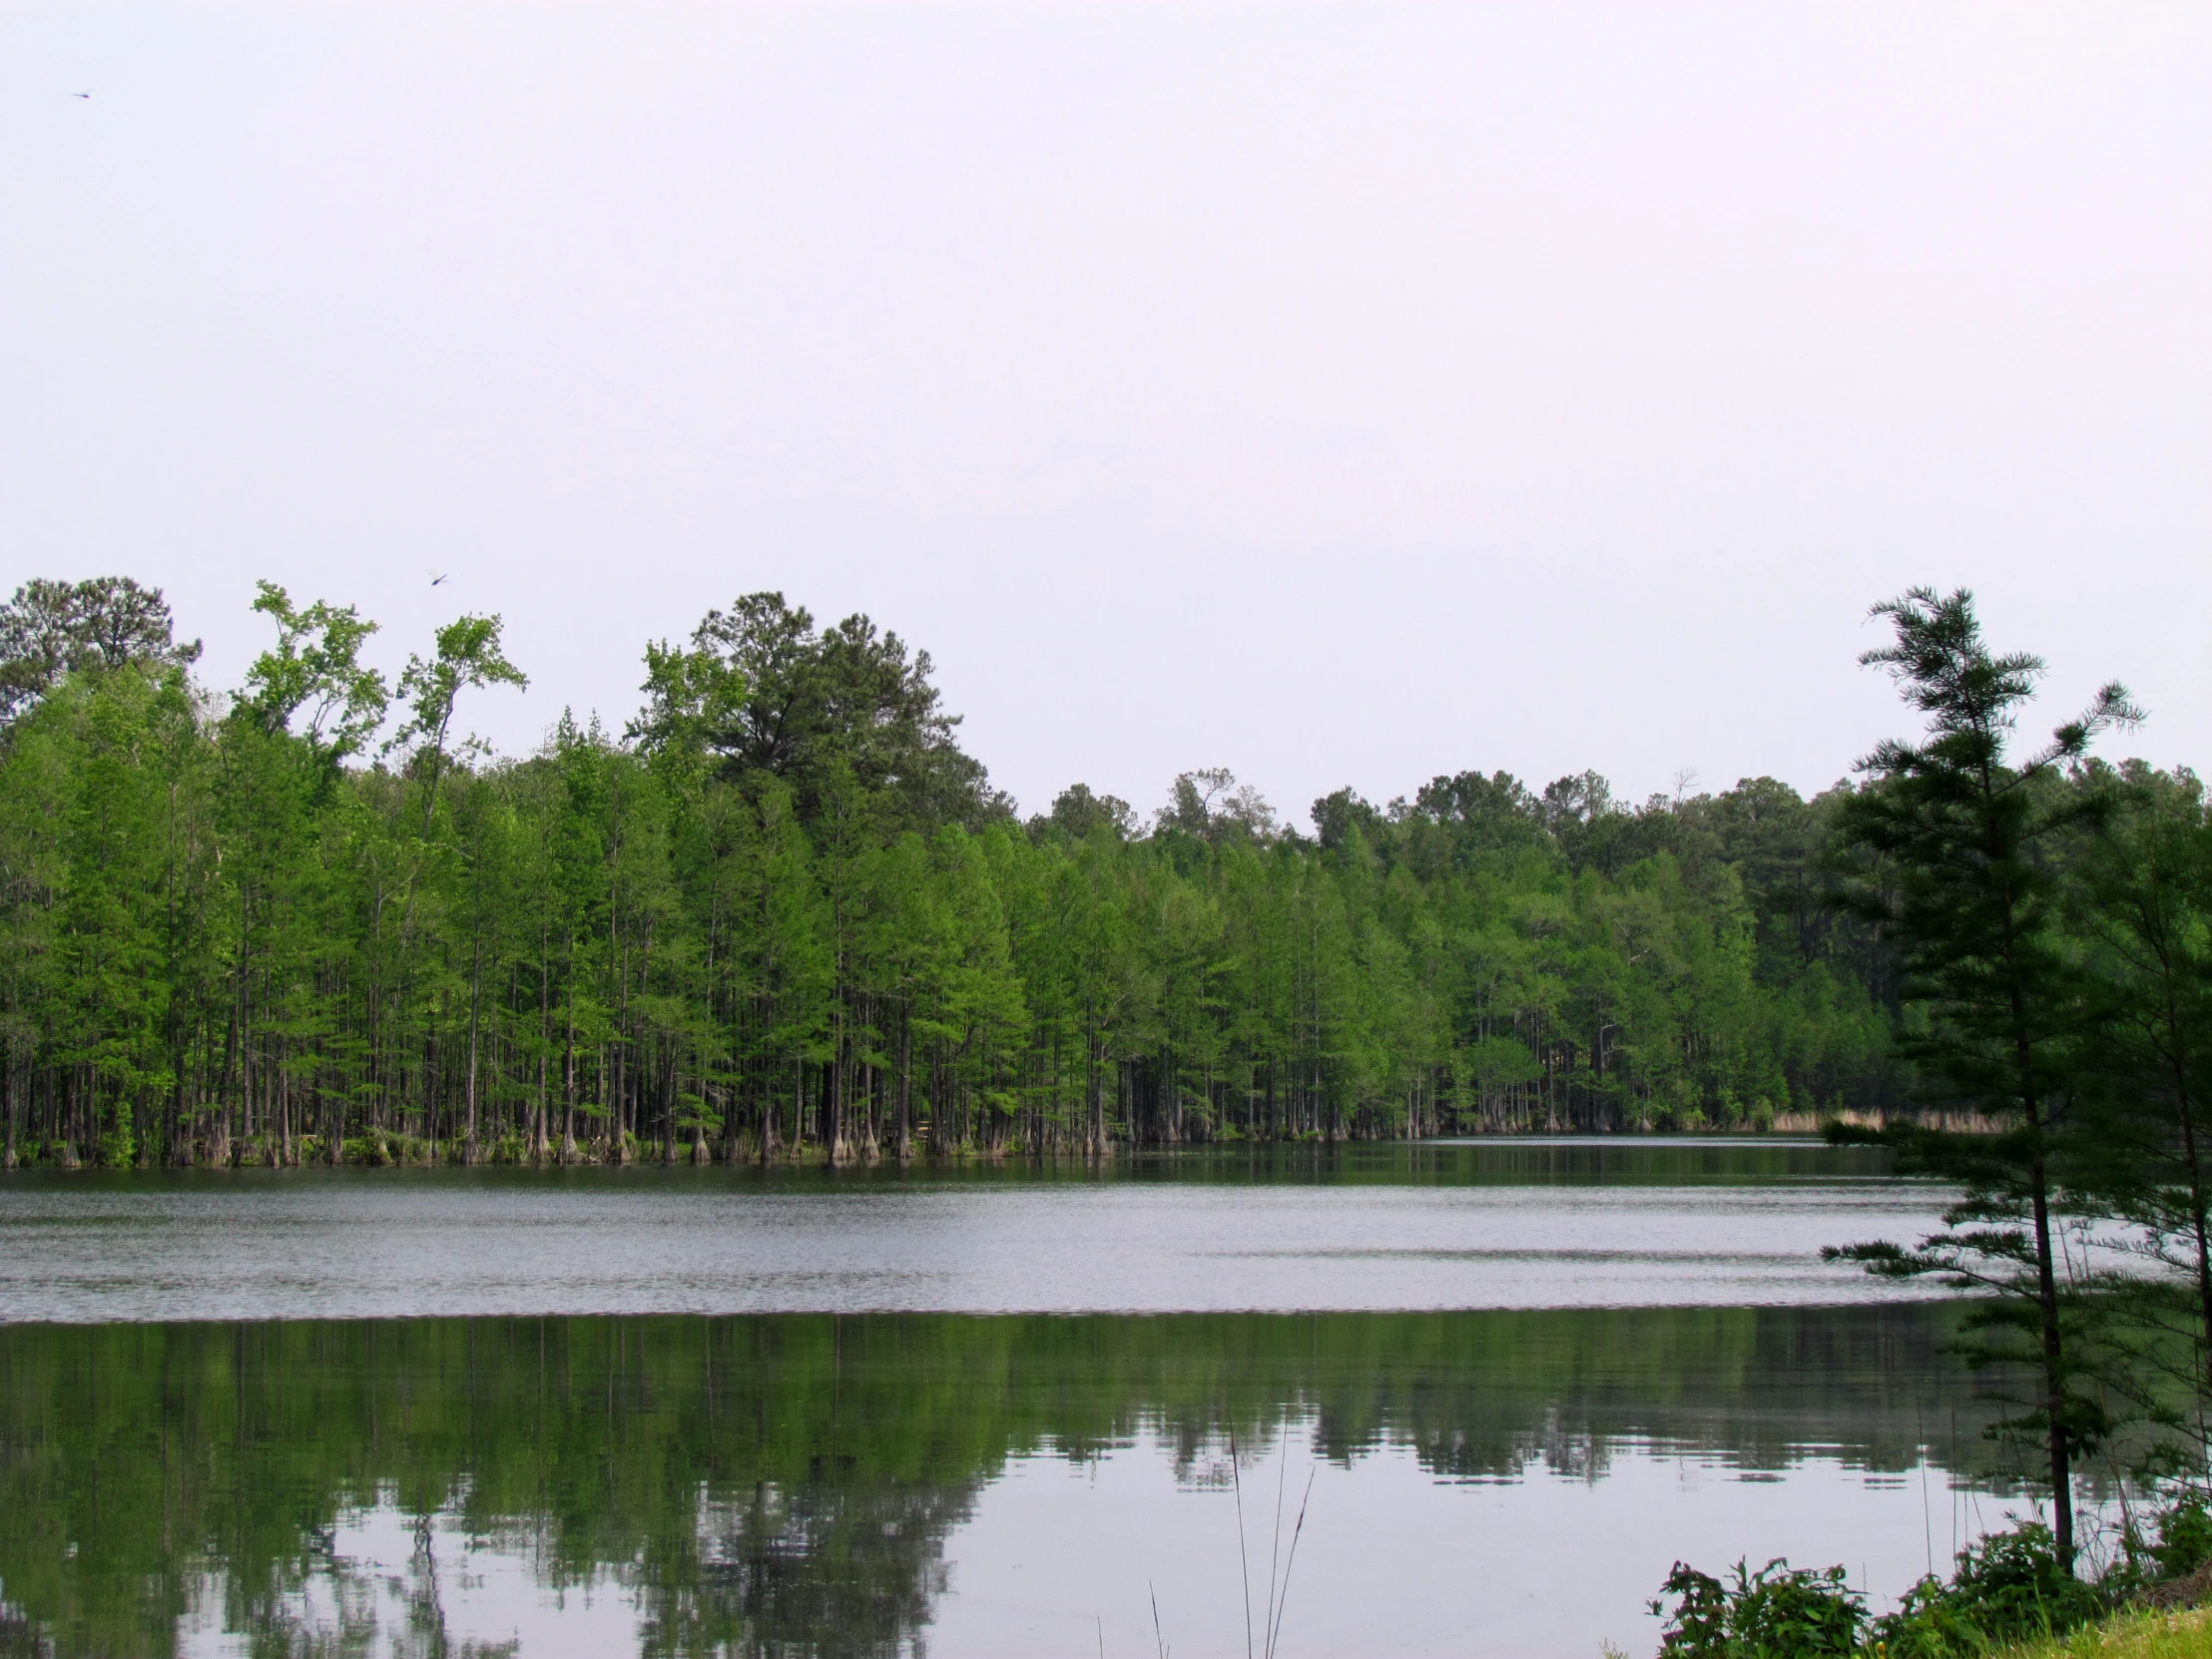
(1340, 393)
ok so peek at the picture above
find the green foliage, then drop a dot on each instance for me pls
(786, 915)
(1778, 1612)
(52, 629)
(2184, 1538)
(1964, 866)
(2009, 1588)
(2141, 909)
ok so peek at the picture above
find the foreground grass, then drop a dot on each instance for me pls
(2151, 1635)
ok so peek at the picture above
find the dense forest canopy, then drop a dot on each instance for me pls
(783, 914)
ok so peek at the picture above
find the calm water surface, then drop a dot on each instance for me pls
(980, 1412)
(1493, 1225)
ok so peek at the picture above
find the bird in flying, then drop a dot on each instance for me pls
(436, 578)
(80, 95)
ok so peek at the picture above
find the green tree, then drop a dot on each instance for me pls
(810, 708)
(468, 656)
(51, 629)
(2144, 906)
(1969, 883)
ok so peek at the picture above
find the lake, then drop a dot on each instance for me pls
(985, 1410)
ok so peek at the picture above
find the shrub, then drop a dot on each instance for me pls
(2009, 1587)
(372, 1150)
(1778, 1612)
(2184, 1538)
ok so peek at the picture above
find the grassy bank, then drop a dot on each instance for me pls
(2141, 1635)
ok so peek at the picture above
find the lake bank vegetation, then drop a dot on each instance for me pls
(2012, 1595)
(2153, 1634)
(784, 916)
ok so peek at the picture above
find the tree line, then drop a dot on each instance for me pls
(783, 914)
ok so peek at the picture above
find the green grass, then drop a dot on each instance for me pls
(2148, 1635)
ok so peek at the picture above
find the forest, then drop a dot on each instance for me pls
(781, 913)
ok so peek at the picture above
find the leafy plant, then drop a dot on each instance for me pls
(2008, 1587)
(2184, 1538)
(1778, 1612)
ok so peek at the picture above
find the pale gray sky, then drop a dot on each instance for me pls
(1333, 392)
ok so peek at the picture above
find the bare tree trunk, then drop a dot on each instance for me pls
(539, 1103)
(833, 1096)
(537, 1111)
(905, 1086)
(469, 1150)
(618, 1082)
(768, 1123)
(9, 1080)
(671, 1078)
(2054, 1372)
(1096, 1140)
(568, 1080)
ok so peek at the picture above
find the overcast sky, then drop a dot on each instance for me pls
(1340, 393)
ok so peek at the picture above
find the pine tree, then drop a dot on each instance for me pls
(1968, 843)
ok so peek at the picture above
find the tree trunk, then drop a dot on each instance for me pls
(833, 1096)
(568, 1080)
(1096, 1140)
(672, 1078)
(767, 1125)
(471, 1152)
(905, 1086)
(2055, 1361)
(8, 1080)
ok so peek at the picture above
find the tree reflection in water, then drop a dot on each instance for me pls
(788, 1483)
